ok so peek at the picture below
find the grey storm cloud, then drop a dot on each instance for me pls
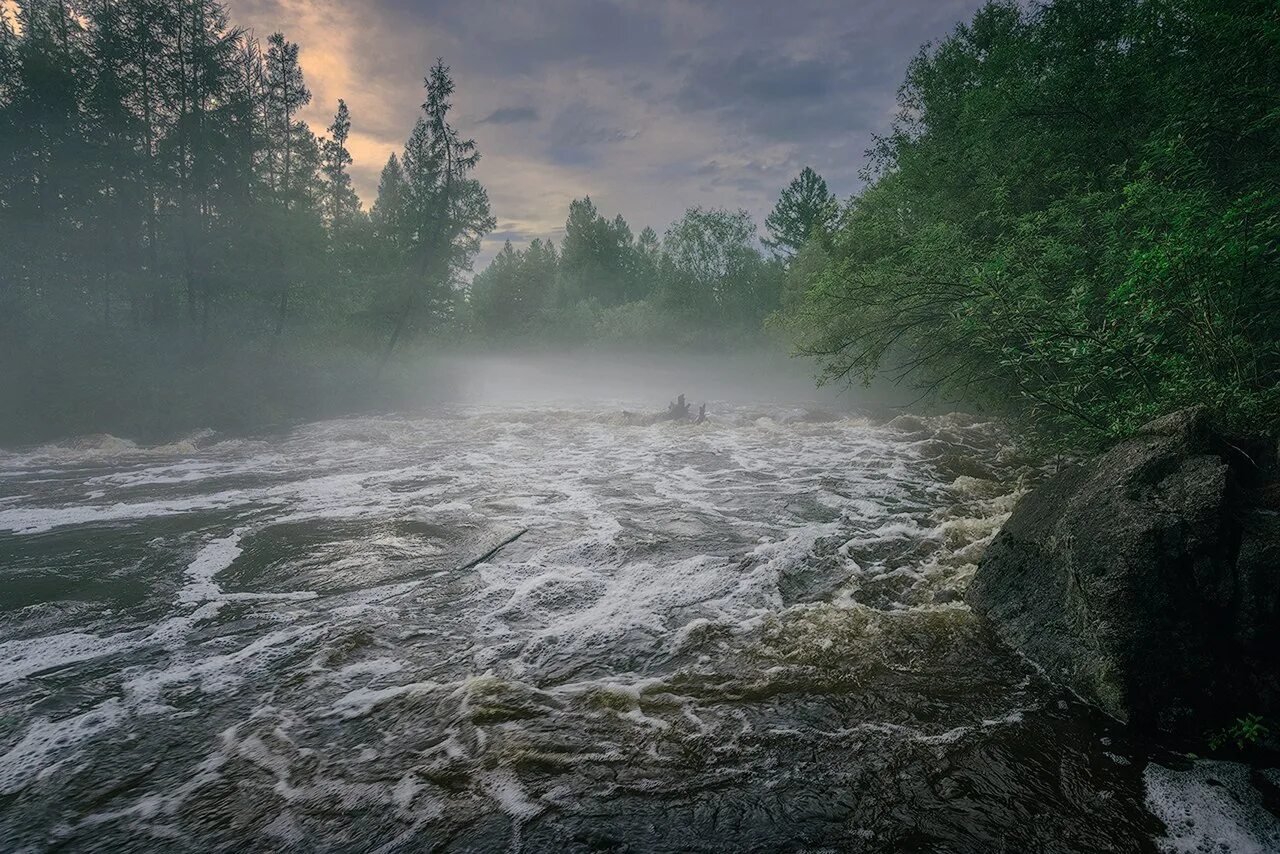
(649, 106)
(781, 97)
(756, 77)
(510, 116)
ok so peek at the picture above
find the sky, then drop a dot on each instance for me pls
(648, 106)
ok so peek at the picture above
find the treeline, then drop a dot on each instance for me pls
(705, 283)
(710, 280)
(155, 177)
(155, 173)
(1076, 218)
(180, 248)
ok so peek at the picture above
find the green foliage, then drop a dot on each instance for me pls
(712, 268)
(705, 283)
(435, 213)
(510, 294)
(1076, 218)
(158, 186)
(805, 211)
(1249, 731)
(597, 260)
(340, 203)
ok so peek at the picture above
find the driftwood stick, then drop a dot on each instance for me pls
(493, 551)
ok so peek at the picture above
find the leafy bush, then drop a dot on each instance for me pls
(1075, 219)
(1248, 731)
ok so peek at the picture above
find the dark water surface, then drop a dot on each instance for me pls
(740, 636)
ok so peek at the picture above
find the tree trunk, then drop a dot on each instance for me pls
(282, 307)
(401, 322)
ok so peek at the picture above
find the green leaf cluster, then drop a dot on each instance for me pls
(1075, 219)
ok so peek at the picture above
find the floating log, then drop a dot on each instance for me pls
(677, 410)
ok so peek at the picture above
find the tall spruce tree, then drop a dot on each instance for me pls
(597, 257)
(806, 210)
(388, 209)
(341, 203)
(114, 135)
(286, 94)
(443, 212)
(293, 161)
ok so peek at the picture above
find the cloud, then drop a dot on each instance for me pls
(756, 78)
(580, 125)
(650, 106)
(510, 116)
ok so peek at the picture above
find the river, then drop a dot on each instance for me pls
(535, 625)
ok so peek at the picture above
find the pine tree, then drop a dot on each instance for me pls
(598, 258)
(8, 58)
(293, 166)
(148, 27)
(43, 185)
(443, 211)
(286, 94)
(805, 210)
(9, 143)
(340, 201)
(199, 66)
(114, 136)
(388, 209)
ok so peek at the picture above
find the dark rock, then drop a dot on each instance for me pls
(1148, 580)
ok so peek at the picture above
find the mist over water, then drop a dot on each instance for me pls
(642, 380)
(523, 620)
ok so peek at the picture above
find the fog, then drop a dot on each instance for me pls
(243, 393)
(638, 380)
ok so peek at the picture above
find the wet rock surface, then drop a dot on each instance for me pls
(1148, 579)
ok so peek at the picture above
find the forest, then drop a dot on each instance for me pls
(180, 246)
(1073, 220)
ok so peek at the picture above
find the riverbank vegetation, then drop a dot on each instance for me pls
(180, 248)
(1075, 218)
(706, 283)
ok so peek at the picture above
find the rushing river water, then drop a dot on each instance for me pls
(539, 629)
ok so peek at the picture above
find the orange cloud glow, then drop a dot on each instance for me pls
(331, 35)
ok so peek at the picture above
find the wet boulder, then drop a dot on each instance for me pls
(1147, 580)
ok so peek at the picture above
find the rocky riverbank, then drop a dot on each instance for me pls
(1148, 579)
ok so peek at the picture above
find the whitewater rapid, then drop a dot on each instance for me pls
(533, 628)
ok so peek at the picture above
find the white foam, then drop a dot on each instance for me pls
(45, 739)
(21, 658)
(35, 520)
(1210, 808)
(362, 701)
(213, 673)
(213, 558)
(373, 667)
(510, 796)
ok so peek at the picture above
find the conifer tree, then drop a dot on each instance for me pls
(113, 134)
(286, 94)
(443, 212)
(340, 201)
(388, 209)
(806, 209)
(293, 155)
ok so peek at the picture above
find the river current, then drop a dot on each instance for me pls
(546, 628)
